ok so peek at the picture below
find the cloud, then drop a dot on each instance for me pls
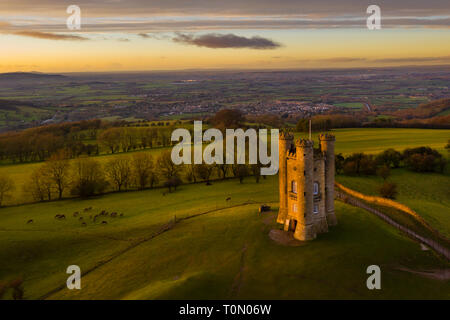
(402, 60)
(156, 36)
(151, 28)
(216, 41)
(48, 35)
(341, 59)
(226, 8)
(414, 59)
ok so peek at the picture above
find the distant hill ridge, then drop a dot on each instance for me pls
(29, 76)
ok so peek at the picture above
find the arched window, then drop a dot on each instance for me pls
(294, 186)
(316, 188)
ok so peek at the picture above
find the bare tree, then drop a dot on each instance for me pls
(204, 171)
(256, 171)
(87, 178)
(166, 166)
(143, 169)
(110, 138)
(240, 171)
(39, 185)
(56, 169)
(168, 170)
(222, 169)
(119, 172)
(6, 186)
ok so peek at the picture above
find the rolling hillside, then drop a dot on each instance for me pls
(222, 253)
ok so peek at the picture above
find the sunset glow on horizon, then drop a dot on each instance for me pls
(120, 39)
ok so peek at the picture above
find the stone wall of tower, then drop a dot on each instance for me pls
(305, 200)
(327, 148)
(320, 218)
(284, 144)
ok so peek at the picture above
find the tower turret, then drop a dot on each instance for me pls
(305, 200)
(327, 147)
(285, 141)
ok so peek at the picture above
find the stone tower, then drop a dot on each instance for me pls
(285, 143)
(327, 148)
(306, 185)
(304, 178)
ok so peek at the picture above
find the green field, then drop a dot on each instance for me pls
(374, 140)
(426, 193)
(350, 105)
(222, 254)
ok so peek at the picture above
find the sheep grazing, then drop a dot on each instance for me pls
(87, 209)
(104, 222)
(228, 199)
(81, 218)
(30, 221)
(60, 216)
(121, 215)
(75, 214)
(113, 214)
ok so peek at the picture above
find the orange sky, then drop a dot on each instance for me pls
(32, 41)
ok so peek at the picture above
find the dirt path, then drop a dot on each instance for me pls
(437, 247)
(437, 274)
(237, 283)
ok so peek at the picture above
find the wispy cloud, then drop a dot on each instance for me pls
(49, 36)
(411, 60)
(216, 41)
(414, 59)
(148, 27)
(40, 34)
(239, 8)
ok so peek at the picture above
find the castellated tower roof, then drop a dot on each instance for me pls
(327, 137)
(304, 143)
(286, 135)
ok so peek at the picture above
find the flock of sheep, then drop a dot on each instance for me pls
(93, 218)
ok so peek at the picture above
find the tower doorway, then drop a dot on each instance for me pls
(292, 225)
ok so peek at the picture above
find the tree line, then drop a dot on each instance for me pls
(420, 159)
(87, 138)
(59, 177)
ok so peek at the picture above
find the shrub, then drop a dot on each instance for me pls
(424, 159)
(388, 190)
(173, 182)
(359, 163)
(390, 158)
(384, 172)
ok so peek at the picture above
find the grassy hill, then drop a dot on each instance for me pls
(222, 254)
(425, 193)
